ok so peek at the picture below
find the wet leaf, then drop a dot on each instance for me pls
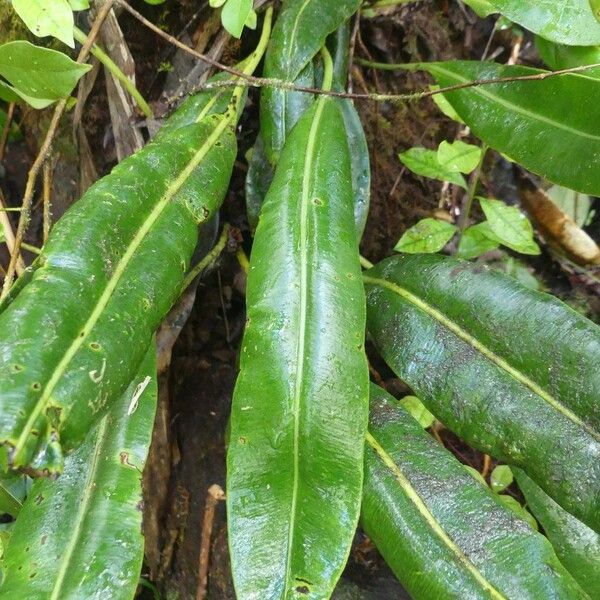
(428, 235)
(444, 534)
(477, 240)
(40, 73)
(557, 56)
(459, 156)
(577, 546)
(417, 410)
(513, 505)
(500, 478)
(80, 536)
(566, 22)
(511, 371)
(299, 33)
(559, 128)
(510, 226)
(295, 459)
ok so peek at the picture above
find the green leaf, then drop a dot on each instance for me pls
(557, 56)
(565, 22)
(445, 106)
(39, 73)
(595, 6)
(114, 265)
(428, 235)
(11, 94)
(47, 17)
(459, 156)
(500, 478)
(299, 33)
(80, 536)
(476, 475)
(483, 8)
(425, 162)
(299, 415)
(77, 5)
(234, 16)
(10, 502)
(477, 240)
(417, 411)
(577, 546)
(510, 226)
(444, 534)
(513, 505)
(260, 170)
(511, 371)
(558, 127)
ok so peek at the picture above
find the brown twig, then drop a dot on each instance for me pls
(43, 152)
(213, 497)
(6, 130)
(47, 215)
(252, 81)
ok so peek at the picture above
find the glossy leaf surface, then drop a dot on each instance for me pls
(73, 336)
(557, 139)
(299, 411)
(557, 56)
(428, 235)
(511, 371)
(299, 33)
(576, 545)
(566, 21)
(443, 533)
(80, 536)
(41, 74)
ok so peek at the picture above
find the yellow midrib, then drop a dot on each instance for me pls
(303, 309)
(430, 519)
(115, 278)
(81, 512)
(489, 354)
(518, 109)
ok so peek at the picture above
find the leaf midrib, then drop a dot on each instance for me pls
(429, 518)
(515, 107)
(484, 350)
(115, 279)
(303, 309)
(82, 512)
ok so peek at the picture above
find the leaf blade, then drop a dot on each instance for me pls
(422, 509)
(452, 314)
(555, 138)
(100, 553)
(577, 546)
(47, 17)
(291, 378)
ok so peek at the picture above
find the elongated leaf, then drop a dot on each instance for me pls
(557, 56)
(443, 533)
(299, 33)
(73, 336)
(576, 545)
(512, 371)
(47, 17)
(260, 169)
(39, 73)
(549, 126)
(299, 413)
(80, 536)
(566, 22)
